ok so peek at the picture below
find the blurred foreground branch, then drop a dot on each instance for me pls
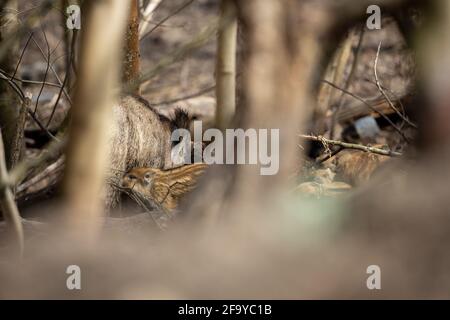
(87, 154)
(8, 205)
(226, 65)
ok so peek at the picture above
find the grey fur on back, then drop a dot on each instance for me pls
(140, 137)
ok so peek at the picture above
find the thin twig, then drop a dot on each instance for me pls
(52, 69)
(66, 77)
(72, 62)
(369, 106)
(21, 95)
(190, 96)
(46, 71)
(13, 86)
(21, 56)
(348, 80)
(50, 84)
(181, 8)
(355, 146)
(147, 14)
(194, 44)
(331, 154)
(55, 105)
(380, 88)
(23, 26)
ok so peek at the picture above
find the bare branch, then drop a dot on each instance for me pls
(380, 88)
(21, 56)
(181, 8)
(189, 96)
(194, 44)
(370, 107)
(46, 70)
(147, 15)
(352, 145)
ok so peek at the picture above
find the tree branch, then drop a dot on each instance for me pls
(352, 146)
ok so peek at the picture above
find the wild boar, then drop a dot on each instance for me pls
(139, 137)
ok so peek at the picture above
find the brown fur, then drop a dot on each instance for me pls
(163, 187)
(140, 137)
(356, 167)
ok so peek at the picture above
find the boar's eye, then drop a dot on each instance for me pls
(131, 177)
(147, 176)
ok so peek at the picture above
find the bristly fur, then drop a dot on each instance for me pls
(182, 119)
(167, 187)
(139, 137)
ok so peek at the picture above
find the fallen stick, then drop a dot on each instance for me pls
(347, 145)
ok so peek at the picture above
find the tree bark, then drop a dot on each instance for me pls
(9, 102)
(130, 72)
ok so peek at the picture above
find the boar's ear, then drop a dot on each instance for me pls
(182, 119)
